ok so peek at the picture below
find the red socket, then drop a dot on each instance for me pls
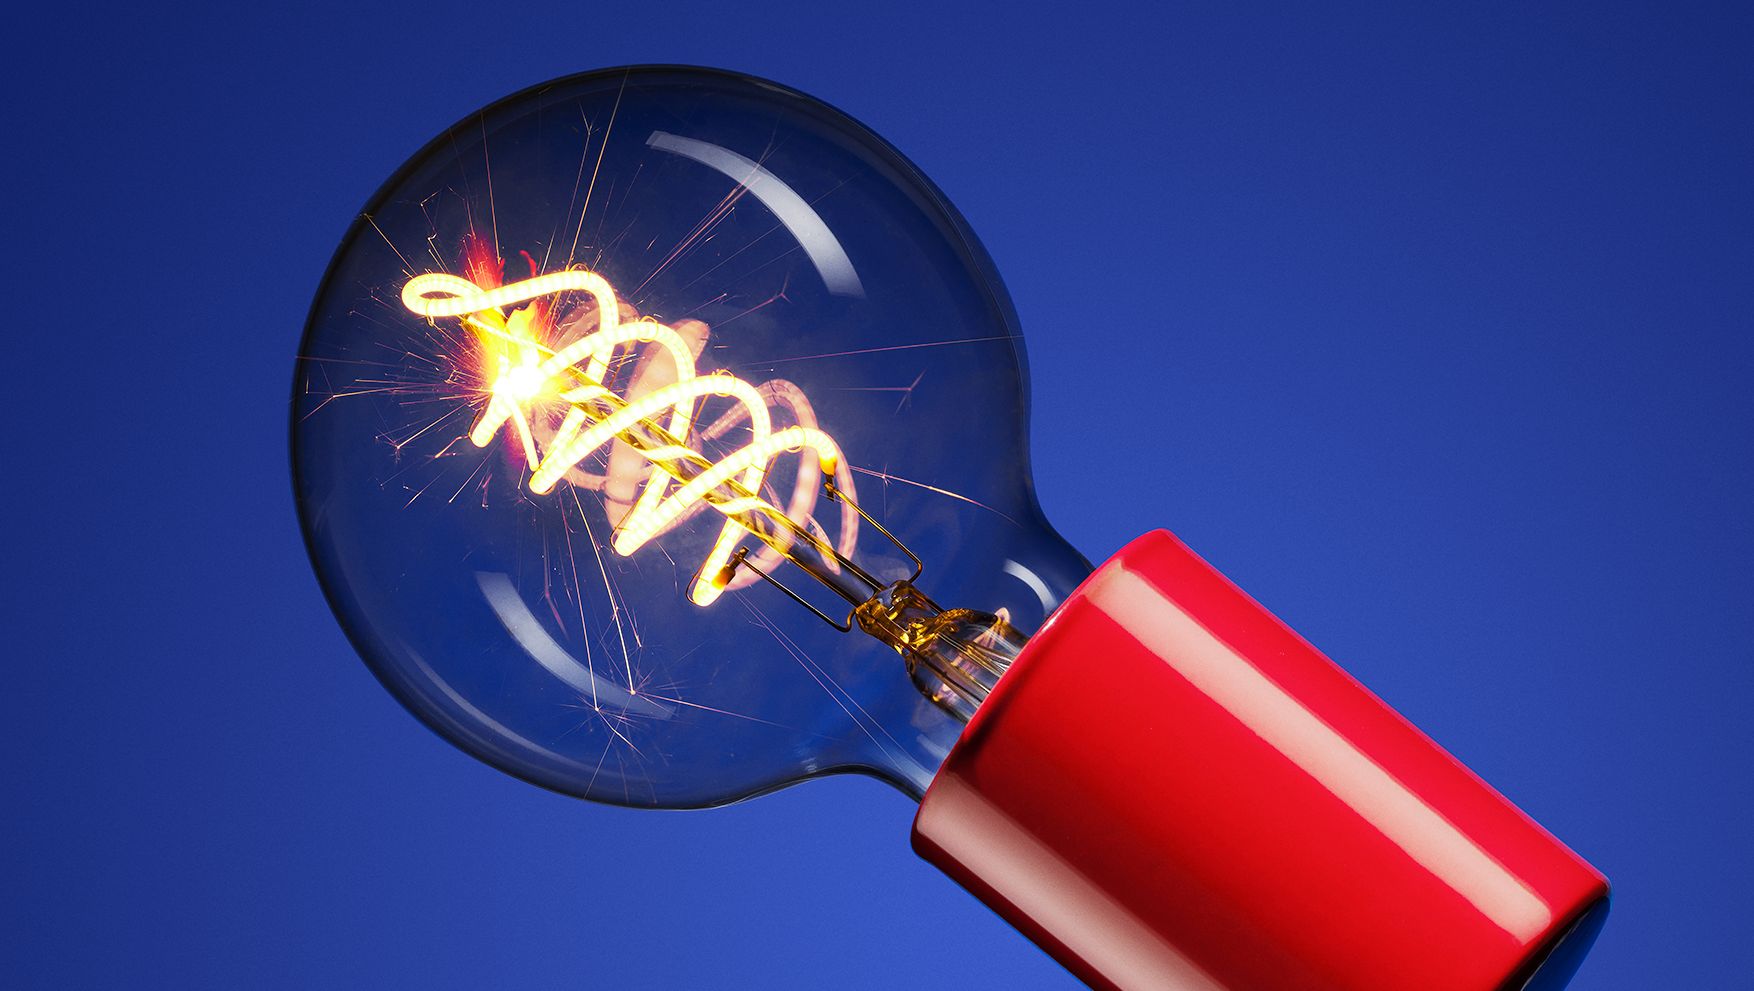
(1171, 789)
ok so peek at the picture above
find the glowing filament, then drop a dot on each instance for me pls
(526, 372)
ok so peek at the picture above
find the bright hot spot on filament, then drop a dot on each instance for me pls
(656, 477)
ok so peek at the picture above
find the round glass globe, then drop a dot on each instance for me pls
(790, 247)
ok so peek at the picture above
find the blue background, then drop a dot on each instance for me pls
(1438, 338)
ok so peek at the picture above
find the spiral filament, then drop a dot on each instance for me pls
(656, 476)
(648, 427)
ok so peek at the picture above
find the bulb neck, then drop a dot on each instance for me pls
(954, 656)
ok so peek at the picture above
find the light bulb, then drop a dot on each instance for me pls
(660, 438)
(606, 354)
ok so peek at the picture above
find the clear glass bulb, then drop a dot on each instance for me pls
(624, 392)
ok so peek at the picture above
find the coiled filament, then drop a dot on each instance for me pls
(655, 419)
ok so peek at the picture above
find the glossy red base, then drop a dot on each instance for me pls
(1171, 790)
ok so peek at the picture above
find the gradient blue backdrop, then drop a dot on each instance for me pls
(1440, 337)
